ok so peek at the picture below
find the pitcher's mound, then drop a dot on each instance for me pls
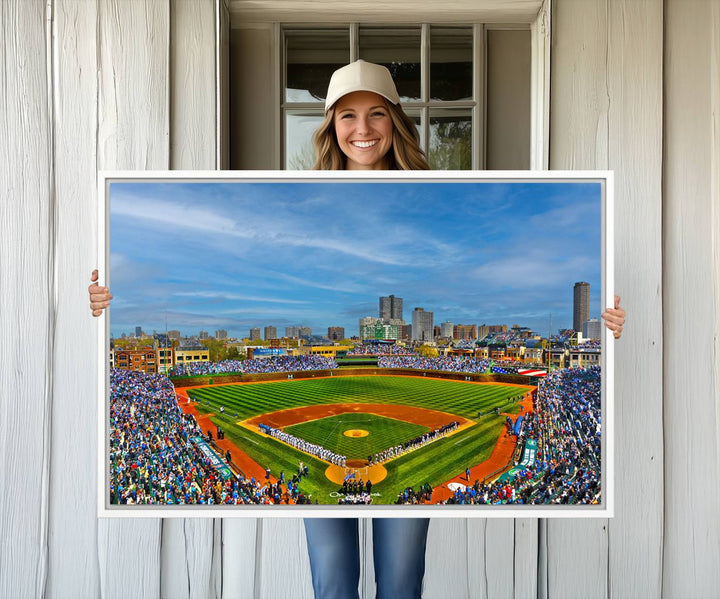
(356, 432)
(337, 473)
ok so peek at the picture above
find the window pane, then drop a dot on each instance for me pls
(450, 139)
(414, 114)
(299, 150)
(451, 56)
(311, 58)
(398, 50)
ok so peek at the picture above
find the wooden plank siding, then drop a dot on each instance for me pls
(133, 132)
(190, 568)
(27, 209)
(113, 84)
(606, 113)
(635, 91)
(691, 303)
(579, 103)
(73, 542)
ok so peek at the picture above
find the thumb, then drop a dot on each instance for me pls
(94, 275)
(617, 302)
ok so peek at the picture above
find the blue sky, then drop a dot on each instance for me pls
(219, 255)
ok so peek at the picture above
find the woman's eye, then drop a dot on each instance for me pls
(378, 113)
(347, 115)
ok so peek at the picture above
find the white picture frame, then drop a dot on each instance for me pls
(604, 179)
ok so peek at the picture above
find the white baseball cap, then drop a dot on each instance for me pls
(361, 76)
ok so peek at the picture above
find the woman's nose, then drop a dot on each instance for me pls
(363, 124)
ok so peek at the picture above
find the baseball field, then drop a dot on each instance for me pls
(358, 416)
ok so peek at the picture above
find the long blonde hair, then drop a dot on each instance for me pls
(405, 154)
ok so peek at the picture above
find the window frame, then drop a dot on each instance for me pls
(269, 14)
(423, 107)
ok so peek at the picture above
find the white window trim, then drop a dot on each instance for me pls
(383, 11)
(540, 89)
(243, 13)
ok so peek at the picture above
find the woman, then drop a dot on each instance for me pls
(365, 129)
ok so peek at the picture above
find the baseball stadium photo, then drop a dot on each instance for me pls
(328, 343)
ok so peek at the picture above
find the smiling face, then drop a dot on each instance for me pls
(364, 130)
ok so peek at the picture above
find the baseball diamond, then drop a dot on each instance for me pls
(380, 433)
(402, 416)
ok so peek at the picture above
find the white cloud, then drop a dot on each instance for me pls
(169, 215)
(534, 270)
(221, 295)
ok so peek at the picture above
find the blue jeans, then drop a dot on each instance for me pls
(398, 550)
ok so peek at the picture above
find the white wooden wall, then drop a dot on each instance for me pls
(114, 84)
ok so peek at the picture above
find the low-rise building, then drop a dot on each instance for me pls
(583, 357)
(465, 331)
(532, 355)
(336, 333)
(191, 351)
(559, 357)
(142, 359)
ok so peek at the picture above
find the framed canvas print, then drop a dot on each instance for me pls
(340, 344)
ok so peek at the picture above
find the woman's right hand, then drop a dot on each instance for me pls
(99, 296)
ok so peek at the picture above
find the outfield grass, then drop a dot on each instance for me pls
(383, 433)
(455, 397)
(433, 464)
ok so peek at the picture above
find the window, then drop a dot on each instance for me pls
(433, 68)
(468, 87)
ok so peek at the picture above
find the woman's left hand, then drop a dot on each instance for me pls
(615, 318)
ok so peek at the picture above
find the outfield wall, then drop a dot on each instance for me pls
(225, 379)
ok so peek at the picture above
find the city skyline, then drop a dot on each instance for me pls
(236, 256)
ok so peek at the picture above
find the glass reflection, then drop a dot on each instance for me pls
(398, 50)
(311, 58)
(450, 146)
(451, 56)
(299, 149)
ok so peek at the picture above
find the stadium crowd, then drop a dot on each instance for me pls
(198, 368)
(255, 366)
(456, 364)
(566, 423)
(153, 456)
(590, 344)
(409, 496)
(446, 363)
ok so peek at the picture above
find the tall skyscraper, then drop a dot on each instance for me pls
(270, 333)
(295, 332)
(422, 325)
(581, 305)
(221, 334)
(138, 332)
(254, 333)
(391, 307)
